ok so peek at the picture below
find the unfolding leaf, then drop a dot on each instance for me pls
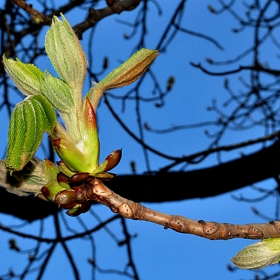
(58, 93)
(29, 120)
(258, 255)
(66, 55)
(27, 77)
(130, 70)
(127, 73)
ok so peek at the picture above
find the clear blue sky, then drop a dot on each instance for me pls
(159, 253)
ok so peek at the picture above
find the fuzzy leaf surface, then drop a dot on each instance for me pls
(29, 120)
(58, 93)
(258, 255)
(27, 77)
(130, 70)
(66, 55)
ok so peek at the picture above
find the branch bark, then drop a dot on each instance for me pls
(200, 183)
(209, 230)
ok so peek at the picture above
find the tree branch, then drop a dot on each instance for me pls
(36, 15)
(237, 174)
(209, 230)
(96, 15)
(259, 68)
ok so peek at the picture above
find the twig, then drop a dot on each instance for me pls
(209, 230)
(38, 17)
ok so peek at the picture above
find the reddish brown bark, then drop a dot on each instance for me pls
(209, 230)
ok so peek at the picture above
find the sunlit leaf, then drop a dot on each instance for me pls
(29, 120)
(27, 77)
(130, 70)
(125, 74)
(58, 93)
(66, 55)
(258, 255)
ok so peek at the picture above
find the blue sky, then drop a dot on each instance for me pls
(159, 253)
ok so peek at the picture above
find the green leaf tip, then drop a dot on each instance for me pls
(27, 77)
(66, 55)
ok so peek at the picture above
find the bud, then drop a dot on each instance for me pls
(111, 161)
(51, 189)
(66, 199)
(71, 155)
(89, 134)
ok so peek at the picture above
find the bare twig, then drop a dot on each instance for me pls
(37, 17)
(209, 230)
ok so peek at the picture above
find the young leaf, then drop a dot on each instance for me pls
(130, 70)
(58, 93)
(29, 120)
(258, 255)
(127, 73)
(27, 77)
(66, 55)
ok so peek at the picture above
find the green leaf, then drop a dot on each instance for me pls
(272, 243)
(29, 120)
(58, 93)
(127, 73)
(130, 70)
(27, 77)
(66, 55)
(258, 255)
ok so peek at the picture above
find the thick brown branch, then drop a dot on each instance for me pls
(210, 230)
(238, 173)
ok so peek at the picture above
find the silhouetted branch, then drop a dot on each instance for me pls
(259, 68)
(96, 15)
(36, 15)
